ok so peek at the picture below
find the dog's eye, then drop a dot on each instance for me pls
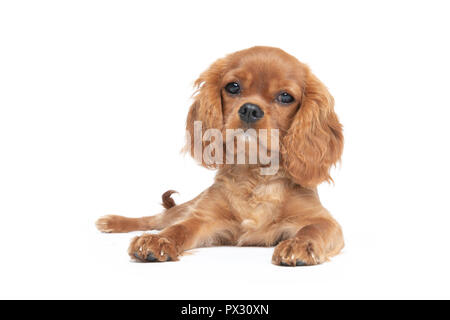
(285, 98)
(233, 88)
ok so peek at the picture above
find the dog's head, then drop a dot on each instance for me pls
(266, 88)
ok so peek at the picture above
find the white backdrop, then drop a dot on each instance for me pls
(92, 93)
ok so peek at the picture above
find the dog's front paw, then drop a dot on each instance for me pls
(152, 248)
(297, 252)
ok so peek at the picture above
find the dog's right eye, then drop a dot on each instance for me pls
(233, 88)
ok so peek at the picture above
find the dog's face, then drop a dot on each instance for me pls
(266, 88)
(261, 89)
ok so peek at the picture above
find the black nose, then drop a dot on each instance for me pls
(250, 113)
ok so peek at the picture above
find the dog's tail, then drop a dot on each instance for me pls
(167, 201)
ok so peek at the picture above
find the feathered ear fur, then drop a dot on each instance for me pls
(207, 106)
(314, 141)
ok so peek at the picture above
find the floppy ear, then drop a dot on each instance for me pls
(314, 142)
(207, 107)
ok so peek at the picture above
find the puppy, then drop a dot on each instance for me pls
(253, 89)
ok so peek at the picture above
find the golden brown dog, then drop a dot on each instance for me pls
(258, 88)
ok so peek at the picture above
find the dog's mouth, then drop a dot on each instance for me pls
(241, 135)
(247, 126)
(254, 140)
(249, 135)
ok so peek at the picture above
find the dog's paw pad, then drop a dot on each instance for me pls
(300, 263)
(152, 248)
(297, 252)
(151, 258)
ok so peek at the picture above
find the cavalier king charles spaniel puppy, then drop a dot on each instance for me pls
(253, 89)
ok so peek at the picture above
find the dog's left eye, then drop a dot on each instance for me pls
(233, 88)
(285, 98)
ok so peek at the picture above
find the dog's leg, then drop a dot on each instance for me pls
(172, 241)
(314, 236)
(119, 224)
(312, 244)
(208, 222)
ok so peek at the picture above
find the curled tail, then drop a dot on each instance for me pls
(167, 201)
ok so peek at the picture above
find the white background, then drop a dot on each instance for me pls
(93, 100)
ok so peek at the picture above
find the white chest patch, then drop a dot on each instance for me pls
(260, 205)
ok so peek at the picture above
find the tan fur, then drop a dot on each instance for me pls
(243, 207)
